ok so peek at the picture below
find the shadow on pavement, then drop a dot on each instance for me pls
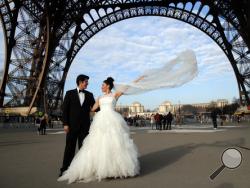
(154, 161)
(157, 160)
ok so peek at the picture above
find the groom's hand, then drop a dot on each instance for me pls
(66, 128)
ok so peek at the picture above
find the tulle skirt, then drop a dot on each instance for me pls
(107, 152)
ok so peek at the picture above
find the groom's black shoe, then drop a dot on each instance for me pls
(60, 174)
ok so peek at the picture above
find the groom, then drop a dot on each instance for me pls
(76, 119)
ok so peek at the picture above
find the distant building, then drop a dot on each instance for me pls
(222, 102)
(166, 107)
(122, 109)
(201, 105)
(136, 107)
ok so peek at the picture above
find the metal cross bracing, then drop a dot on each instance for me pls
(43, 37)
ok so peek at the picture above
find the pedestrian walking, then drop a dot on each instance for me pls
(37, 124)
(169, 119)
(157, 121)
(152, 121)
(214, 118)
(43, 124)
(164, 121)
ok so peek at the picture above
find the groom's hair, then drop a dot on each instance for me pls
(81, 78)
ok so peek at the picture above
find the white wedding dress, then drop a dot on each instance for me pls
(108, 151)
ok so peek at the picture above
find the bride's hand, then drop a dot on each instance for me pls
(96, 106)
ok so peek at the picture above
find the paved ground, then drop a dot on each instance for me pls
(184, 157)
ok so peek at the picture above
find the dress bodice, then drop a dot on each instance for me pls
(107, 102)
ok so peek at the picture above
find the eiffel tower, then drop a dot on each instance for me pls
(43, 37)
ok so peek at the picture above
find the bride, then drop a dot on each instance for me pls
(108, 151)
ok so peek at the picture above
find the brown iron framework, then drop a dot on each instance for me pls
(43, 37)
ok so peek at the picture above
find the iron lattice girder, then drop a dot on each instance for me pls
(24, 35)
(35, 8)
(71, 23)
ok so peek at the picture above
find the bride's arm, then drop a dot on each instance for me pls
(96, 106)
(119, 93)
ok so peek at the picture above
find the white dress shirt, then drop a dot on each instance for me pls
(81, 96)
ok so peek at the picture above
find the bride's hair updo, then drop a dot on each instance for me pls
(109, 81)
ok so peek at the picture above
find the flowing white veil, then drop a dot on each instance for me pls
(172, 74)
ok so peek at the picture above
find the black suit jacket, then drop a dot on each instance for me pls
(75, 115)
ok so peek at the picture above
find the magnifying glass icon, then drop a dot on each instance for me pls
(231, 158)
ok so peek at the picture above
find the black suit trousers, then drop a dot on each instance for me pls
(69, 152)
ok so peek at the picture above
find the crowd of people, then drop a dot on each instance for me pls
(161, 122)
(165, 121)
(157, 121)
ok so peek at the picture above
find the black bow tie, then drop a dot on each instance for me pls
(83, 91)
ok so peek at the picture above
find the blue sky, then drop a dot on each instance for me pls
(126, 49)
